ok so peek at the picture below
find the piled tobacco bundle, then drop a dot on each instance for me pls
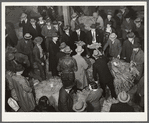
(123, 73)
(49, 88)
(87, 21)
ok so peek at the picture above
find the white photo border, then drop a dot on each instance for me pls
(58, 117)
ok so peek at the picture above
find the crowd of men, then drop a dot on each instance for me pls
(49, 45)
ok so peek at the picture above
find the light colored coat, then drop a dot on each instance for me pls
(80, 75)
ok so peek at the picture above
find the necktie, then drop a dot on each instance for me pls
(78, 36)
(93, 38)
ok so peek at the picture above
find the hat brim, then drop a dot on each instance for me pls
(28, 37)
(113, 37)
(68, 52)
(124, 101)
(62, 47)
(84, 106)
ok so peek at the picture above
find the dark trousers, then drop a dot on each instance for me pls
(42, 69)
(111, 87)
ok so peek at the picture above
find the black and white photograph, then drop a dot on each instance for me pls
(74, 61)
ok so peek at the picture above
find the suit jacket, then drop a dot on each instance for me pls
(67, 63)
(74, 37)
(121, 107)
(100, 67)
(25, 48)
(89, 37)
(66, 38)
(34, 32)
(53, 50)
(25, 26)
(128, 48)
(65, 101)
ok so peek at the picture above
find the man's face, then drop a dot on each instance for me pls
(41, 18)
(55, 38)
(138, 24)
(92, 30)
(48, 24)
(95, 15)
(136, 49)
(33, 23)
(109, 16)
(56, 26)
(127, 19)
(78, 30)
(130, 39)
(67, 31)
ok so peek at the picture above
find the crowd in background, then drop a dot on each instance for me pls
(50, 46)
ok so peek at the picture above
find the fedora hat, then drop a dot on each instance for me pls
(67, 49)
(27, 36)
(79, 106)
(112, 36)
(136, 45)
(128, 15)
(10, 56)
(130, 35)
(66, 27)
(74, 15)
(93, 26)
(79, 49)
(38, 40)
(137, 20)
(48, 20)
(32, 20)
(109, 12)
(19, 68)
(123, 97)
(23, 15)
(13, 104)
(55, 23)
(62, 45)
(55, 35)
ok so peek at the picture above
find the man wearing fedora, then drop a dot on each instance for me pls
(127, 26)
(39, 56)
(114, 46)
(66, 36)
(34, 29)
(101, 69)
(67, 66)
(123, 105)
(47, 31)
(97, 19)
(137, 60)
(80, 74)
(61, 53)
(24, 23)
(74, 22)
(23, 90)
(110, 19)
(128, 46)
(77, 35)
(93, 36)
(139, 31)
(65, 101)
(53, 50)
(25, 46)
